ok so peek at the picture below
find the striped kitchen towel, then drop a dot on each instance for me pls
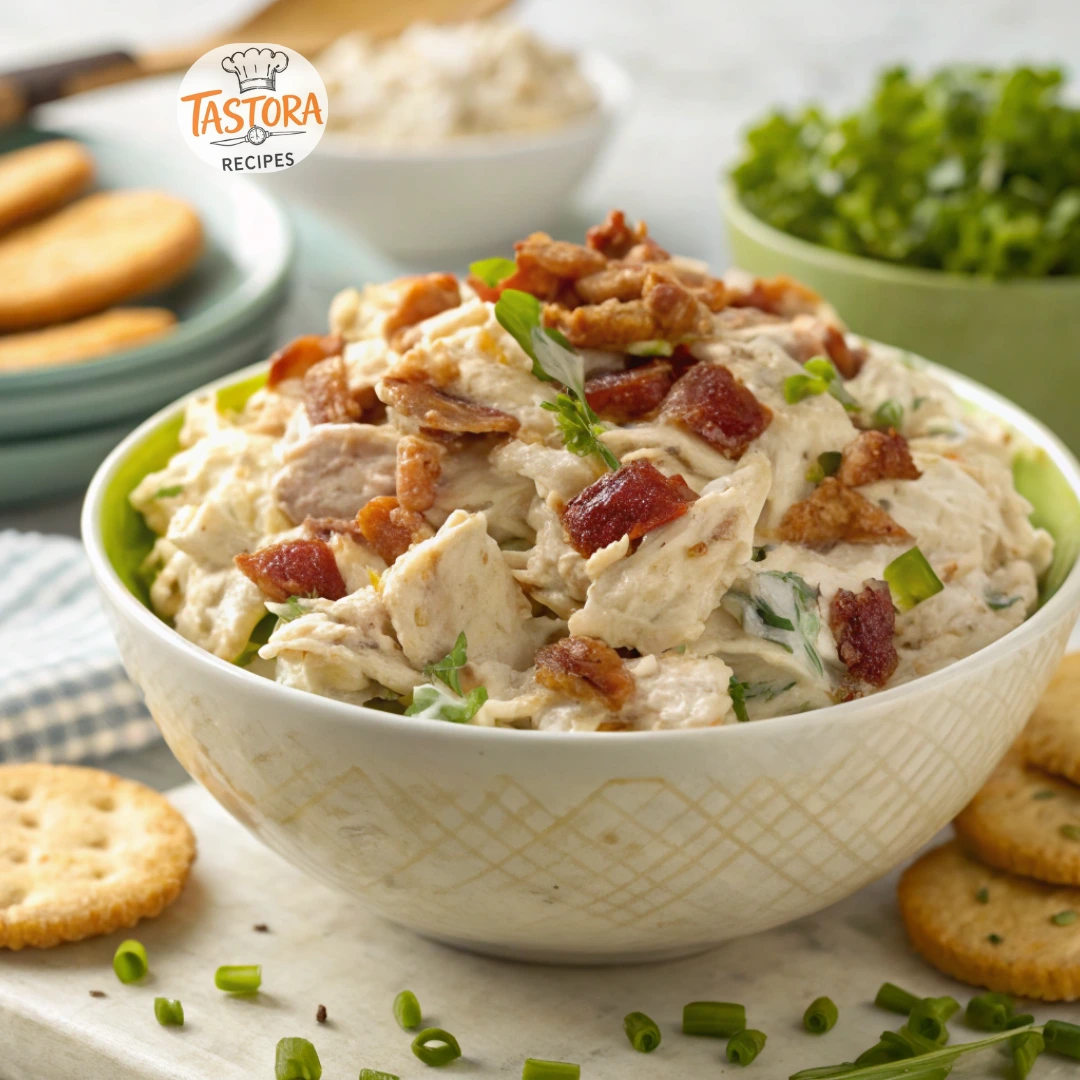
(63, 692)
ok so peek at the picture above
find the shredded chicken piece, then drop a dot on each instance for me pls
(876, 455)
(419, 465)
(584, 667)
(389, 528)
(441, 411)
(424, 296)
(294, 568)
(709, 401)
(863, 625)
(631, 501)
(835, 513)
(292, 361)
(327, 396)
(622, 396)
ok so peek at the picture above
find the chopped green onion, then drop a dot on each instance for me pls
(989, 1012)
(656, 347)
(1070, 832)
(169, 492)
(895, 999)
(929, 1016)
(744, 1046)
(983, 895)
(827, 464)
(737, 693)
(1025, 1049)
(493, 271)
(407, 1010)
(996, 601)
(717, 1019)
(889, 414)
(296, 1059)
(169, 1012)
(799, 387)
(238, 978)
(129, 961)
(896, 1046)
(375, 1074)
(758, 554)
(1020, 1020)
(642, 1032)
(1063, 918)
(1046, 793)
(537, 1069)
(911, 579)
(434, 1046)
(1062, 1038)
(820, 1016)
(994, 939)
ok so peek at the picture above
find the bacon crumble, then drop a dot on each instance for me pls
(585, 668)
(440, 411)
(622, 396)
(294, 568)
(876, 455)
(617, 240)
(293, 361)
(863, 625)
(633, 500)
(834, 513)
(389, 528)
(709, 401)
(424, 296)
(419, 465)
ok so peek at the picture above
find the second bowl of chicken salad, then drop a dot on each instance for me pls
(590, 490)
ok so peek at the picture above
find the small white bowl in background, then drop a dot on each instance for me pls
(465, 196)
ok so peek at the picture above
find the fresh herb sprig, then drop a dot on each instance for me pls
(494, 271)
(432, 702)
(818, 377)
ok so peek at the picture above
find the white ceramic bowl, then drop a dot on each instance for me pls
(473, 196)
(589, 847)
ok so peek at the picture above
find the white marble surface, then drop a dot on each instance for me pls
(324, 949)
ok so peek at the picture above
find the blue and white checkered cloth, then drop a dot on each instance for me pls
(63, 692)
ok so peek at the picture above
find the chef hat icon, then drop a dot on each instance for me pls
(255, 68)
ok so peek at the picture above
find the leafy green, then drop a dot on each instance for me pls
(741, 693)
(970, 170)
(493, 271)
(446, 670)
(432, 702)
(519, 314)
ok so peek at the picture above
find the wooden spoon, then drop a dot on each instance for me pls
(307, 26)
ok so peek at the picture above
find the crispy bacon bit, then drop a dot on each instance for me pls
(326, 528)
(615, 282)
(327, 396)
(631, 501)
(876, 455)
(779, 295)
(292, 361)
(835, 513)
(559, 258)
(390, 529)
(674, 308)
(622, 396)
(863, 626)
(585, 668)
(419, 463)
(294, 568)
(424, 295)
(442, 412)
(617, 240)
(712, 403)
(848, 361)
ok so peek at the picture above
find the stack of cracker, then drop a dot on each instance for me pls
(67, 262)
(999, 906)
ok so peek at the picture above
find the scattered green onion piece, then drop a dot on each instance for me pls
(493, 271)
(1062, 1038)
(1046, 793)
(1070, 832)
(983, 895)
(827, 464)
(1020, 1020)
(799, 387)
(716, 1019)
(445, 1050)
(537, 1069)
(642, 1032)
(989, 1012)
(238, 978)
(911, 579)
(895, 999)
(820, 1016)
(889, 414)
(1025, 1049)
(169, 492)
(1063, 918)
(737, 693)
(994, 939)
(296, 1059)
(375, 1074)
(129, 961)
(169, 1012)
(656, 347)
(407, 1010)
(744, 1046)
(929, 1016)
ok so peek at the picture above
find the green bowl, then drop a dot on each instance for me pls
(1021, 338)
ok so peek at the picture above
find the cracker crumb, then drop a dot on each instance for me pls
(261, 928)
(320, 1014)
(98, 993)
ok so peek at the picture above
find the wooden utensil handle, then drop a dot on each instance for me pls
(24, 88)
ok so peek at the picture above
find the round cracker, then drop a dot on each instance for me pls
(40, 178)
(1014, 823)
(951, 928)
(102, 250)
(83, 852)
(1052, 735)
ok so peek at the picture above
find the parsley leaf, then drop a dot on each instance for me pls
(518, 314)
(432, 702)
(493, 271)
(447, 669)
(742, 692)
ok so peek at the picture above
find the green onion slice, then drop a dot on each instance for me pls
(1063, 918)
(642, 1032)
(889, 414)
(744, 1046)
(169, 1012)
(989, 1012)
(238, 978)
(911, 579)
(1025, 1049)
(983, 895)
(716, 1019)
(1070, 832)
(537, 1069)
(169, 492)
(434, 1046)
(820, 1016)
(375, 1074)
(493, 271)
(1062, 1038)
(129, 961)
(928, 1018)
(407, 1010)
(296, 1059)
(895, 999)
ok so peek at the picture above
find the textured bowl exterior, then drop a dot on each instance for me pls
(591, 847)
(1022, 338)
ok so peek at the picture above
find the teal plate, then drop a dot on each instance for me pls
(236, 289)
